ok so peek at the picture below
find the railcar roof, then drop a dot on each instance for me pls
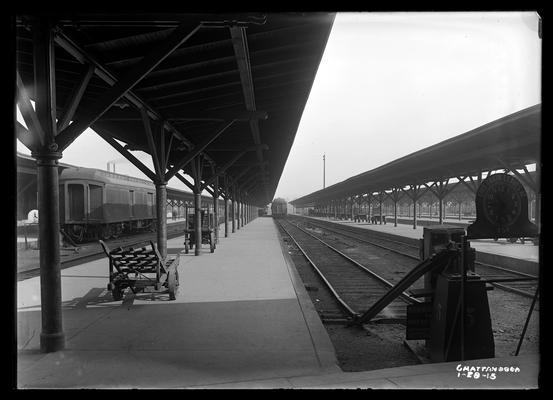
(99, 175)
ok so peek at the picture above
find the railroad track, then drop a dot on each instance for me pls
(354, 287)
(502, 278)
(124, 241)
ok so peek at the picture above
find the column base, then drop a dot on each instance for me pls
(51, 342)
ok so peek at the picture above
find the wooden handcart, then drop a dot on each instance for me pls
(190, 239)
(141, 269)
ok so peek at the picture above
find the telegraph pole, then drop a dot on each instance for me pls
(324, 171)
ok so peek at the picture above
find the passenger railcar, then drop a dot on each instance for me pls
(279, 208)
(100, 204)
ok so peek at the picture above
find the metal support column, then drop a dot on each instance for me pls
(216, 209)
(52, 337)
(46, 154)
(537, 193)
(380, 206)
(196, 165)
(161, 208)
(197, 222)
(225, 181)
(232, 207)
(395, 212)
(238, 200)
(440, 210)
(414, 213)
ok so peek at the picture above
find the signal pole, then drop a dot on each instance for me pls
(324, 167)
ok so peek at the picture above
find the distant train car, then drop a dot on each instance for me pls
(279, 208)
(100, 204)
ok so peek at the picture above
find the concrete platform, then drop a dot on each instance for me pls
(242, 319)
(523, 257)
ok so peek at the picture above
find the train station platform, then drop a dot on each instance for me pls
(242, 319)
(523, 257)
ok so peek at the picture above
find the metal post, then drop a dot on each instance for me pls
(395, 211)
(527, 321)
(462, 300)
(52, 337)
(324, 171)
(537, 211)
(440, 210)
(161, 198)
(186, 216)
(197, 222)
(380, 206)
(233, 213)
(216, 209)
(414, 212)
(238, 225)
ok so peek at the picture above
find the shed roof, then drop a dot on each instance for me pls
(232, 67)
(514, 139)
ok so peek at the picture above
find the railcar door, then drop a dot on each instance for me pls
(76, 201)
(95, 201)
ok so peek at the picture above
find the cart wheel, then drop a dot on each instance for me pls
(173, 283)
(117, 293)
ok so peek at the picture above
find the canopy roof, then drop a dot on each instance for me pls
(513, 140)
(252, 70)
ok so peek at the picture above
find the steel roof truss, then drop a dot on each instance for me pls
(198, 149)
(152, 146)
(75, 97)
(27, 111)
(127, 154)
(118, 90)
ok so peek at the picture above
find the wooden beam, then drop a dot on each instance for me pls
(507, 166)
(104, 74)
(232, 162)
(198, 149)
(180, 35)
(45, 80)
(75, 98)
(151, 144)
(27, 111)
(125, 153)
(166, 159)
(185, 181)
(471, 187)
(26, 137)
(214, 116)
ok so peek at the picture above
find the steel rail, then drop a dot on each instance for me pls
(404, 295)
(498, 285)
(368, 241)
(342, 303)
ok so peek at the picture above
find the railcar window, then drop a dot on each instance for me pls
(150, 204)
(75, 193)
(62, 203)
(131, 202)
(96, 200)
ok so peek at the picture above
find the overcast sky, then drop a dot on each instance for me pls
(390, 84)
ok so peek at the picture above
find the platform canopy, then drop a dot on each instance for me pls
(230, 88)
(510, 142)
